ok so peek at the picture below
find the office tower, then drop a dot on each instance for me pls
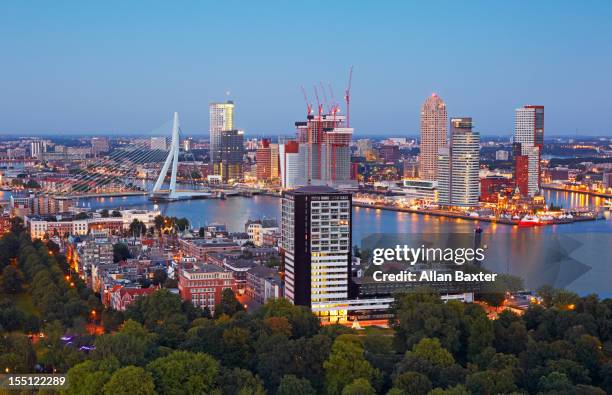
(159, 143)
(458, 166)
(529, 132)
(291, 165)
(99, 145)
(465, 157)
(221, 118)
(325, 142)
(231, 153)
(37, 147)
(433, 136)
(267, 158)
(444, 177)
(316, 249)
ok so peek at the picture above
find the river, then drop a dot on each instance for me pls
(576, 256)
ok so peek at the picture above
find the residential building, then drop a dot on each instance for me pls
(256, 229)
(263, 283)
(529, 132)
(121, 297)
(99, 145)
(291, 165)
(221, 116)
(316, 249)
(433, 136)
(202, 284)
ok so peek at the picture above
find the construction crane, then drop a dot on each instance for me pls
(335, 108)
(347, 98)
(308, 105)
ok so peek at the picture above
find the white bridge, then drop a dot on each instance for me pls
(172, 160)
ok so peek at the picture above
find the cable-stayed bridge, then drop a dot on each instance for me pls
(171, 162)
(126, 169)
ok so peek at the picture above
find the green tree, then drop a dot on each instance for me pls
(89, 377)
(11, 281)
(292, 385)
(412, 383)
(228, 305)
(184, 372)
(238, 381)
(116, 214)
(359, 387)
(346, 363)
(81, 216)
(130, 380)
(491, 382)
(130, 346)
(104, 213)
(159, 276)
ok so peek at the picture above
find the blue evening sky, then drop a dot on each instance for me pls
(84, 67)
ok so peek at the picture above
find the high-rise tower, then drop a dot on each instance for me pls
(433, 136)
(316, 249)
(529, 133)
(221, 118)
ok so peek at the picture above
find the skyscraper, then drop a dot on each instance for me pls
(458, 166)
(529, 132)
(291, 165)
(433, 136)
(231, 153)
(316, 249)
(221, 118)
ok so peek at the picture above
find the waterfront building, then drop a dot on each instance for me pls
(291, 165)
(420, 190)
(202, 284)
(465, 163)
(433, 136)
(491, 187)
(231, 153)
(316, 249)
(221, 117)
(458, 166)
(529, 133)
(267, 159)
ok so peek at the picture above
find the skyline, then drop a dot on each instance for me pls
(119, 69)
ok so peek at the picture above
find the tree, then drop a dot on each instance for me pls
(121, 252)
(158, 222)
(183, 372)
(32, 184)
(228, 305)
(491, 382)
(238, 381)
(11, 281)
(413, 383)
(555, 382)
(104, 213)
(159, 276)
(292, 385)
(346, 363)
(182, 224)
(137, 228)
(81, 216)
(116, 214)
(130, 380)
(130, 346)
(89, 377)
(359, 387)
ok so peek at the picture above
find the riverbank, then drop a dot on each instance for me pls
(553, 187)
(452, 214)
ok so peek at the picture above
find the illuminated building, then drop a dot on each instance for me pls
(221, 116)
(231, 152)
(529, 133)
(458, 166)
(492, 186)
(316, 250)
(291, 165)
(433, 136)
(202, 284)
(267, 158)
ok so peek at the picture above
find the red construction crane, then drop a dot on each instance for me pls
(347, 98)
(308, 105)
